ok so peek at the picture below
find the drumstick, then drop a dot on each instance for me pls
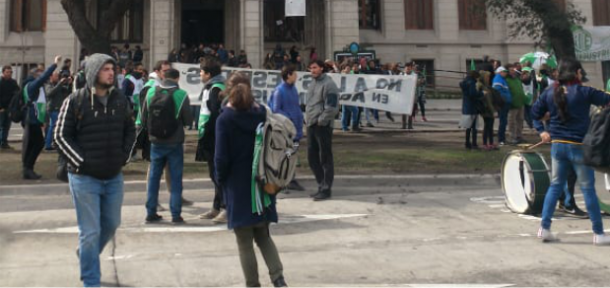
(535, 145)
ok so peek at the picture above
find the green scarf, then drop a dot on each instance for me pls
(260, 199)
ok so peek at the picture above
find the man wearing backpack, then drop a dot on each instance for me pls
(211, 101)
(322, 107)
(95, 132)
(35, 118)
(165, 113)
(8, 89)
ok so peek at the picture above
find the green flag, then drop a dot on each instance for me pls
(472, 66)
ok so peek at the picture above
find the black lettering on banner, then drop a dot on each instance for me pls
(385, 98)
(306, 81)
(376, 97)
(359, 97)
(382, 83)
(360, 85)
(277, 79)
(259, 79)
(258, 94)
(345, 96)
(343, 84)
(395, 84)
(192, 76)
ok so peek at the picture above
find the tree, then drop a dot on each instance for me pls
(542, 20)
(95, 39)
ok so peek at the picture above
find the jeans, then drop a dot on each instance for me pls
(567, 198)
(161, 155)
(349, 113)
(472, 131)
(527, 114)
(515, 124)
(260, 234)
(218, 202)
(98, 213)
(422, 105)
(49, 137)
(488, 131)
(503, 115)
(195, 110)
(5, 127)
(564, 156)
(33, 142)
(320, 155)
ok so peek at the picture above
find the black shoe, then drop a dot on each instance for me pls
(178, 220)
(356, 129)
(369, 125)
(322, 196)
(153, 218)
(574, 212)
(280, 282)
(295, 186)
(29, 174)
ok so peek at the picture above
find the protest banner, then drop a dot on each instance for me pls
(393, 93)
(592, 43)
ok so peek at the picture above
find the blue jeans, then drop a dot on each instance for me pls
(5, 126)
(49, 137)
(564, 156)
(347, 113)
(503, 115)
(98, 213)
(160, 155)
(195, 110)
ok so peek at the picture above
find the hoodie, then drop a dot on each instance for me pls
(285, 100)
(95, 134)
(500, 84)
(235, 138)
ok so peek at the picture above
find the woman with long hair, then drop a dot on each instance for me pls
(568, 103)
(236, 131)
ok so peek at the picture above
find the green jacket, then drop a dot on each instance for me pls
(516, 90)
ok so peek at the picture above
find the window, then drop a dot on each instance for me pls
(28, 15)
(427, 67)
(369, 14)
(130, 28)
(280, 28)
(419, 14)
(473, 14)
(601, 13)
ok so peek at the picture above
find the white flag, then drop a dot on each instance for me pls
(295, 8)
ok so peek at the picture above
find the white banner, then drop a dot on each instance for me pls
(592, 44)
(295, 8)
(395, 94)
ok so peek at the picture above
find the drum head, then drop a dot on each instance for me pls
(516, 183)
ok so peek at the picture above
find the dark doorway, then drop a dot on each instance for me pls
(202, 22)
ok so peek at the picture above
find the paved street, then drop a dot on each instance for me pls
(377, 231)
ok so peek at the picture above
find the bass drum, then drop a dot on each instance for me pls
(525, 180)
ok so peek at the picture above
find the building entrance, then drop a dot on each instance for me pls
(202, 22)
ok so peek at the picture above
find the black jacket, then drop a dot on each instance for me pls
(8, 88)
(97, 140)
(214, 104)
(56, 94)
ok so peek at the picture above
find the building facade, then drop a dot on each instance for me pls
(442, 35)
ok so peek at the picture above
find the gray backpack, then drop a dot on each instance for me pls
(278, 161)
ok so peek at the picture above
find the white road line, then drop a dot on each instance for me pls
(193, 229)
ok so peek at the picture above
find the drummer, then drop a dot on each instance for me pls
(568, 103)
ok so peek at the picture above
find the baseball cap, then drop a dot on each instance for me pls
(501, 69)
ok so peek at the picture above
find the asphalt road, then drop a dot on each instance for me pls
(376, 231)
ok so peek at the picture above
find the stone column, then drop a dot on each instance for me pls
(5, 22)
(252, 31)
(342, 25)
(162, 20)
(60, 39)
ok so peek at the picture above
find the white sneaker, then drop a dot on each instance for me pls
(601, 239)
(547, 236)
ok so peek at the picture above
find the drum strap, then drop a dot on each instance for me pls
(566, 142)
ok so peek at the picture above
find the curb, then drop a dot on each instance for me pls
(413, 180)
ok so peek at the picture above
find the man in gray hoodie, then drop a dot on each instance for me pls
(322, 107)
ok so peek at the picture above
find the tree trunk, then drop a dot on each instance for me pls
(557, 27)
(94, 40)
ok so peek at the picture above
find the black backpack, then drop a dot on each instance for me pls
(17, 108)
(162, 121)
(597, 142)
